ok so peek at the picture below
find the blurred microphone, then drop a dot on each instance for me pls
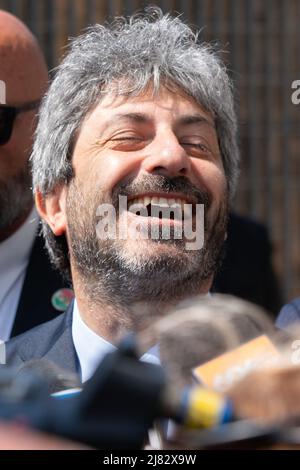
(204, 328)
(220, 340)
(267, 405)
(37, 377)
(116, 407)
(120, 403)
(53, 377)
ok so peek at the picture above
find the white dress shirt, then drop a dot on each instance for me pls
(14, 257)
(91, 348)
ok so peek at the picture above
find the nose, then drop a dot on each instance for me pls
(167, 157)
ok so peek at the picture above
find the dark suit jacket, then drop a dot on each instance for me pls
(52, 341)
(41, 282)
(247, 270)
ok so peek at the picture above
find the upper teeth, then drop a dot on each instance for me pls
(159, 201)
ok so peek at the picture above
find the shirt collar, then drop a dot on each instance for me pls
(91, 348)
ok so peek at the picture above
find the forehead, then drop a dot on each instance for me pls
(164, 104)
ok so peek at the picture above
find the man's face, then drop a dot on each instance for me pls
(146, 147)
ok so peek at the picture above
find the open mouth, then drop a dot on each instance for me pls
(167, 206)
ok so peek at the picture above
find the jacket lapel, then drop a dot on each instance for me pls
(41, 282)
(52, 341)
(63, 351)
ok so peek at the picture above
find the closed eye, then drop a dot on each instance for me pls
(201, 147)
(126, 138)
(128, 144)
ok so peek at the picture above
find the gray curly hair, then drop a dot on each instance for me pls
(125, 57)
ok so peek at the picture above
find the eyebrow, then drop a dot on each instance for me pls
(136, 117)
(195, 119)
(141, 118)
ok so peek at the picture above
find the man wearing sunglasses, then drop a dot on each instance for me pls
(27, 282)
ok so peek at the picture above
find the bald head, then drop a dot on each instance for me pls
(22, 65)
(24, 72)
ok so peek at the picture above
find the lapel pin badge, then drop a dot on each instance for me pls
(61, 299)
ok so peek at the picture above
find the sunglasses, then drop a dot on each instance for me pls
(8, 115)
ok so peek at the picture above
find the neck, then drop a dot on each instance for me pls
(112, 321)
(9, 230)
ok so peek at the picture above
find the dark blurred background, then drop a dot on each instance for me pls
(260, 42)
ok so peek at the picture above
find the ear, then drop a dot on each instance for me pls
(52, 208)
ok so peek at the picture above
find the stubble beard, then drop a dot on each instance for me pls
(121, 273)
(16, 198)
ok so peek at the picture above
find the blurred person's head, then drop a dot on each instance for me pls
(138, 108)
(202, 328)
(24, 73)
